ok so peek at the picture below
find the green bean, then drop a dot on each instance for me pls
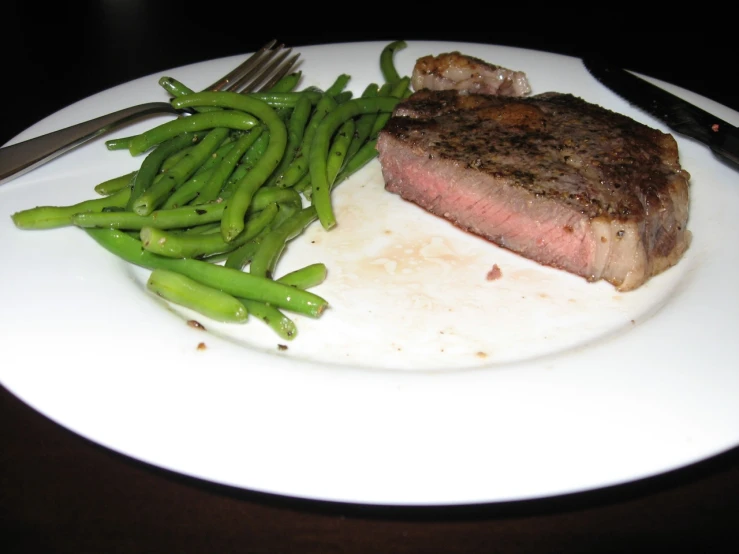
(284, 114)
(338, 149)
(265, 259)
(269, 195)
(387, 64)
(247, 163)
(242, 256)
(157, 193)
(204, 229)
(357, 162)
(216, 157)
(238, 203)
(274, 318)
(175, 158)
(215, 258)
(338, 85)
(275, 99)
(343, 96)
(177, 88)
(303, 186)
(287, 83)
(300, 164)
(385, 89)
(231, 119)
(305, 277)
(284, 212)
(319, 152)
(177, 217)
(403, 88)
(115, 184)
(150, 166)
(295, 130)
(206, 300)
(51, 217)
(159, 241)
(174, 87)
(174, 218)
(283, 99)
(256, 150)
(232, 281)
(398, 90)
(364, 123)
(236, 176)
(226, 167)
(187, 191)
(280, 94)
(121, 143)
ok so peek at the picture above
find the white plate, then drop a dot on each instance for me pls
(424, 383)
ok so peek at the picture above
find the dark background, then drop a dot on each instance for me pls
(60, 493)
(67, 51)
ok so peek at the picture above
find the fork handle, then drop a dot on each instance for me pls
(17, 159)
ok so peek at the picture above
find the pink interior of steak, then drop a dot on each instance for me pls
(544, 230)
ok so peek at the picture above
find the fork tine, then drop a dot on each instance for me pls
(250, 80)
(256, 68)
(246, 67)
(283, 70)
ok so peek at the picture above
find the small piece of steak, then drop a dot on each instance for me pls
(453, 70)
(552, 177)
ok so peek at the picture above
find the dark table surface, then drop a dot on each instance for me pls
(61, 493)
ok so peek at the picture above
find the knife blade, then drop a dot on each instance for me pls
(679, 115)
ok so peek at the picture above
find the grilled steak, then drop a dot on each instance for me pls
(453, 70)
(552, 177)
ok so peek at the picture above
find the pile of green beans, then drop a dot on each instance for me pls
(223, 188)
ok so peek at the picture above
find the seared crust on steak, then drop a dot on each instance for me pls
(552, 177)
(453, 70)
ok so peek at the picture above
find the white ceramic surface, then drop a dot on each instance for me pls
(424, 383)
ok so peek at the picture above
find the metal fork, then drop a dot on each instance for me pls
(259, 72)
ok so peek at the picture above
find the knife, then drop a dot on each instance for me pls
(678, 114)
